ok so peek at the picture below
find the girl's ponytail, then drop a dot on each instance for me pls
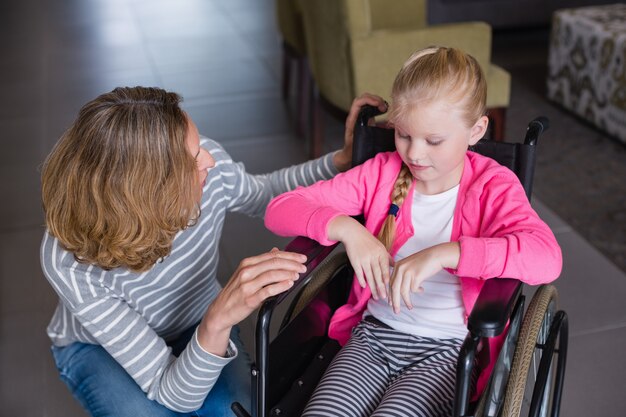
(399, 193)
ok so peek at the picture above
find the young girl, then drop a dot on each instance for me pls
(447, 219)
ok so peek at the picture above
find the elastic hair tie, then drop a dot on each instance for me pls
(393, 210)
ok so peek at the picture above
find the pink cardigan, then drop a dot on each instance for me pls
(499, 232)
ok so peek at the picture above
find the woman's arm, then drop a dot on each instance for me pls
(179, 383)
(343, 158)
(251, 193)
(256, 279)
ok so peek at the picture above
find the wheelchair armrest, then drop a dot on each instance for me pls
(315, 254)
(493, 307)
(488, 318)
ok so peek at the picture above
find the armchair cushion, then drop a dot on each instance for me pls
(382, 16)
(378, 58)
(498, 87)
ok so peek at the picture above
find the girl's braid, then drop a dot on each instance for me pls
(399, 193)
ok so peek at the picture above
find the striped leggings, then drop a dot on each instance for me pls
(383, 372)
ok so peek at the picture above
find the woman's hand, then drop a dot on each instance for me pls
(410, 272)
(256, 279)
(343, 158)
(367, 255)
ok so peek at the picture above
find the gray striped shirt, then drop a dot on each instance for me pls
(132, 314)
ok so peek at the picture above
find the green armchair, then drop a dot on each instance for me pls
(356, 46)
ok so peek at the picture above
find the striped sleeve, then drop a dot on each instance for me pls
(188, 379)
(250, 194)
(181, 384)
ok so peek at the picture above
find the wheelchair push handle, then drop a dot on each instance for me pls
(535, 128)
(366, 113)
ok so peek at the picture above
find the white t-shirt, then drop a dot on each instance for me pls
(437, 312)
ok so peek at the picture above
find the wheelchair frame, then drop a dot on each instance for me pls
(541, 330)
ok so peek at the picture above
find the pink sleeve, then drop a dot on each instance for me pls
(307, 211)
(513, 241)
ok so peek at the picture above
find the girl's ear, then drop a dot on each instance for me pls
(478, 130)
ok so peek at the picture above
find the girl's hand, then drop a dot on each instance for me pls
(256, 279)
(367, 255)
(343, 158)
(410, 272)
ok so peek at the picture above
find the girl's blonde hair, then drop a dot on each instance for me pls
(120, 182)
(433, 74)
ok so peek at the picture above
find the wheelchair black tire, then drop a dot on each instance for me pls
(541, 308)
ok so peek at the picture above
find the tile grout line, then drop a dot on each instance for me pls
(602, 329)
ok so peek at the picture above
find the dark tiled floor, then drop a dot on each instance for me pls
(580, 169)
(224, 57)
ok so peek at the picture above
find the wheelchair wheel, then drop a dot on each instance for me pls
(535, 382)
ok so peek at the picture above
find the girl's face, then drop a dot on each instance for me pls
(432, 141)
(204, 160)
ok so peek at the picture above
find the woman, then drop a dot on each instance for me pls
(135, 201)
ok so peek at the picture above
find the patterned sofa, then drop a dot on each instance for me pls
(587, 65)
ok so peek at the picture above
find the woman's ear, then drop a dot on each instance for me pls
(479, 129)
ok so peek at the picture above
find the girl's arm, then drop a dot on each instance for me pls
(512, 241)
(322, 212)
(368, 256)
(410, 272)
(307, 211)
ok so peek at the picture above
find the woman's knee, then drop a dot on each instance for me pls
(101, 385)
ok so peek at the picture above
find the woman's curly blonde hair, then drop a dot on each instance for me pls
(431, 74)
(119, 184)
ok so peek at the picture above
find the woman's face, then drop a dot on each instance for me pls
(204, 160)
(432, 141)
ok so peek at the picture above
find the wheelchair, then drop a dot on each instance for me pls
(527, 378)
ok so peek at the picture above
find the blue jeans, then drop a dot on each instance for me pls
(104, 388)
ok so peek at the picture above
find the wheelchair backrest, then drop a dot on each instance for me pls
(518, 157)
